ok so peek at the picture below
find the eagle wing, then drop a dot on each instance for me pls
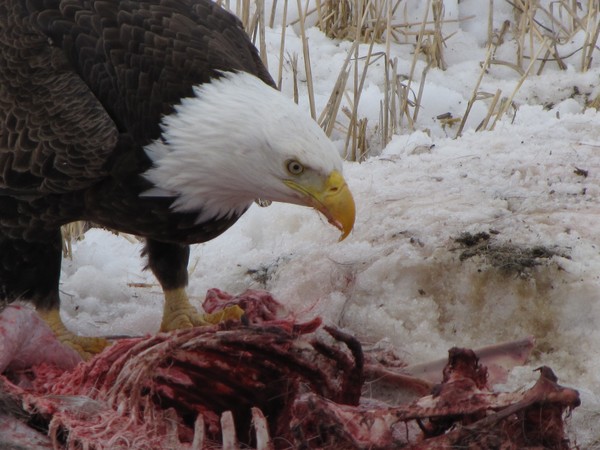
(82, 81)
(54, 133)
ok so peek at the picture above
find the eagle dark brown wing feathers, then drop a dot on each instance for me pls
(55, 135)
(141, 58)
(95, 73)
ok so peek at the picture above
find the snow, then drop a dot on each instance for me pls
(399, 275)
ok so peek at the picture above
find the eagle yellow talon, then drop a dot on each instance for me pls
(229, 313)
(179, 313)
(87, 347)
(182, 318)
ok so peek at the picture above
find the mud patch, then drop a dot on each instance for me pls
(487, 289)
(510, 258)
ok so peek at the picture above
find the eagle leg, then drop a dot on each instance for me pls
(85, 346)
(168, 262)
(178, 312)
(30, 271)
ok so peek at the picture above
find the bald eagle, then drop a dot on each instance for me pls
(155, 118)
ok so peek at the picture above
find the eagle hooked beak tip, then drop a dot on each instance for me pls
(333, 199)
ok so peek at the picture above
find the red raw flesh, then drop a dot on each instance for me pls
(26, 340)
(268, 382)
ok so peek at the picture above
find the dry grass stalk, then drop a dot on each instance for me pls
(384, 121)
(592, 32)
(70, 232)
(387, 108)
(523, 18)
(351, 136)
(307, 63)
(491, 110)
(272, 16)
(358, 135)
(376, 29)
(396, 95)
(307, 13)
(354, 134)
(405, 29)
(336, 18)
(527, 27)
(349, 19)
(254, 24)
(242, 10)
(559, 23)
(328, 116)
(417, 103)
(496, 40)
(595, 103)
(416, 54)
(551, 45)
(282, 43)
(484, 68)
(507, 104)
(362, 141)
(294, 66)
(251, 25)
(261, 32)
(435, 50)
(490, 21)
(75, 231)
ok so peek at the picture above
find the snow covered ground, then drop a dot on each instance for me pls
(531, 183)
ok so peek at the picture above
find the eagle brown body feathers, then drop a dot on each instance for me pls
(83, 87)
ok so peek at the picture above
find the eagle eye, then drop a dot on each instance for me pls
(294, 167)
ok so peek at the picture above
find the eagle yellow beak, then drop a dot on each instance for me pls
(331, 198)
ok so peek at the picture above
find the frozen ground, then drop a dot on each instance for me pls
(530, 184)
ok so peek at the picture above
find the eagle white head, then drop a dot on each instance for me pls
(238, 140)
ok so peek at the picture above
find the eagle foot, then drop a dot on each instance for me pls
(229, 313)
(181, 318)
(179, 313)
(87, 347)
(189, 318)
